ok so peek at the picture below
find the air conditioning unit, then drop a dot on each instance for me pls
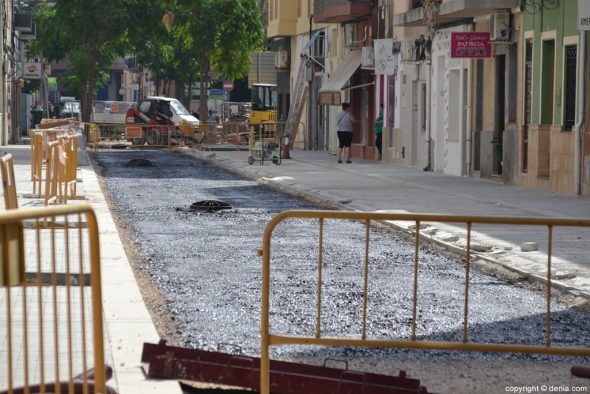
(282, 59)
(368, 57)
(23, 22)
(29, 35)
(500, 26)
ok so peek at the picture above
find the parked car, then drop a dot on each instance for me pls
(69, 109)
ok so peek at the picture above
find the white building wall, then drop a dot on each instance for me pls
(450, 100)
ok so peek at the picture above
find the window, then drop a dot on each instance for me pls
(528, 99)
(415, 4)
(547, 80)
(391, 107)
(318, 50)
(571, 52)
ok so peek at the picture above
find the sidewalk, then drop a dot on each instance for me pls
(127, 321)
(378, 186)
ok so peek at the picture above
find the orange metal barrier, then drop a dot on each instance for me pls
(36, 161)
(58, 150)
(71, 167)
(53, 192)
(8, 182)
(370, 218)
(51, 324)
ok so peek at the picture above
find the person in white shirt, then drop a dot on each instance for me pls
(344, 122)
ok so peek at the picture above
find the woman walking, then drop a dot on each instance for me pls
(344, 122)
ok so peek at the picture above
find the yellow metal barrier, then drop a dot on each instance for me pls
(8, 182)
(71, 167)
(53, 173)
(50, 302)
(370, 218)
(37, 162)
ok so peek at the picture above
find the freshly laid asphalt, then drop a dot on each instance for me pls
(359, 186)
(379, 186)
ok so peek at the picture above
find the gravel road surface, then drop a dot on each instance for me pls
(201, 279)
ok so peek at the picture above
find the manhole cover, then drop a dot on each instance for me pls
(209, 205)
(140, 163)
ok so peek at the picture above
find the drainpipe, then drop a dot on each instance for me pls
(578, 157)
(3, 127)
(428, 120)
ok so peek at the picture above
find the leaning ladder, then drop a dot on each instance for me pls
(297, 100)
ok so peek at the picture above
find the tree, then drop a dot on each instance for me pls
(222, 35)
(91, 33)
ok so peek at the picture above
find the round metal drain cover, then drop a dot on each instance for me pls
(140, 163)
(209, 205)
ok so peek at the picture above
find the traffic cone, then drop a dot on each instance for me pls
(285, 154)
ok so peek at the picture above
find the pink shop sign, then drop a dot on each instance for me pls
(471, 45)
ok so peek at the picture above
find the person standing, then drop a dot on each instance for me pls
(344, 122)
(379, 131)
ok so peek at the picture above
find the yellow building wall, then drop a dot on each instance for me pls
(282, 18)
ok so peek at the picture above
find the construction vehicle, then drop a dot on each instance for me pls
(157, 118)
(264, 103)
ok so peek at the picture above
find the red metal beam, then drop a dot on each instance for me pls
(170, 362)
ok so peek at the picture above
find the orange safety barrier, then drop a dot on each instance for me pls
(71, 167)
(53, 191)
(50, 302)
(8, 182)
(268, 338)
(37, 161)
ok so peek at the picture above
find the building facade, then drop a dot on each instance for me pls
(514, 113)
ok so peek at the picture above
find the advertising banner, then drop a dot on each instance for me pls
(384, 59)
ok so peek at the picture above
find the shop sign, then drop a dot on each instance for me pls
(32, 71)
(471, 45)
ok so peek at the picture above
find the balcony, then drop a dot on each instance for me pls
(340, 11)
(454, 11)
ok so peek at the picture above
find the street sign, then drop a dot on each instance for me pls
(583, 14)
(471, 45)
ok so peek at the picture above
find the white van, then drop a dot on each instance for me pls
(169, 107)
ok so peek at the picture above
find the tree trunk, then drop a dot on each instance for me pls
(87, 95)
(204, 67)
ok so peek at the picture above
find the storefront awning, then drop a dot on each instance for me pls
(330, 91)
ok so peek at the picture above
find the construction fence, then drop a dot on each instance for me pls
(51, 324)
(413, 341)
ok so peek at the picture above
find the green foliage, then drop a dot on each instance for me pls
(91, 33)
(31, 86)
(226, 32)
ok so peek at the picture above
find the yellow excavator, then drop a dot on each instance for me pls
(264, 103)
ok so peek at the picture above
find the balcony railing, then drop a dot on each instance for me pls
(338, 11)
